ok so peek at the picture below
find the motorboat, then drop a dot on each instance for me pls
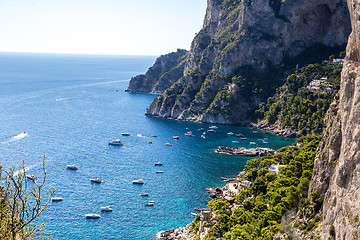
(158, 164)
(116, 142)
(126, 134)
(139, 181)
(106, 209)
(203, 136)
(151, 201)
(168, 144)
(213, 127)
(149, 142)
(72, 167)
(235, 141)
(243, 138)
(57, 199)
(92, 216)
(230, 134)
(201, 129)
(144, 194)
(189, 134)
(149, 204)
(159, 171)
(30, 177)
(176, 137)
(211, 130)
(238, 135)
(95, 180)
(154, 135)
(252, 143)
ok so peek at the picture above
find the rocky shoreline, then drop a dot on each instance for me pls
(242, 151)
(228, 193)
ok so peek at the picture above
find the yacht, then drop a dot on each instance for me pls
(57, 199)
(92, 216)
(144, 194)
(126, 134)
(243, 138)
(239, 135)
(211, 130)
(140, 181)
(154, 135)
(159, 171)
(189, 134)
(95, 180)
(106, 209)
(116, 142)
(213, 127)
(168, 144)
(230, 134)
(201, 129)
(72, 167)
(176, 137)
(158, 164)
(252, 143)
(149, 204)
(203, 136)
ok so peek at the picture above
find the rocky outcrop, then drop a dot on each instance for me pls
(166, 70)
(340, 176)
(234, 60)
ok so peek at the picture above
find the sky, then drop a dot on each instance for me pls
(120, 27)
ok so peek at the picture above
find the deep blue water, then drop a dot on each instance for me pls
(70, 108)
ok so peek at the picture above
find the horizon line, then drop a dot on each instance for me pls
(68, 53)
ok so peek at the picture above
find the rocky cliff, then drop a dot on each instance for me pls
(237, 59)
(337, 168)
(166, 70)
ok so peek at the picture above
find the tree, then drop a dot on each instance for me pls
(21, 204)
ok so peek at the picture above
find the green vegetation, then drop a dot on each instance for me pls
(261, 206)
(21, 203)
(294, 106)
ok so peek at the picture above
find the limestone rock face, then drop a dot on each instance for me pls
(341, 207)
(230, 66)
(166, 70)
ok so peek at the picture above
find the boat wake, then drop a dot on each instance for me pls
(18, 137)
(62, 99)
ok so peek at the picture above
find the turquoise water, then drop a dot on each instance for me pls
(70, 106)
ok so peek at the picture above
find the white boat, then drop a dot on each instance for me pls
(144, 194)
(168, 144)
(189, 134)
(194, 214)
(243, 138)
(159, 171)
(213, 127)
(235, 141)
(203, 136)
(95, 180)
(151, 201)
(106, 209)
(201, 129)
(57, 199)
(116, 142)
(139, 181)
(158, 164)
(176, 137)
(149, 204)
(252, 143)
(230, 133)
(126, 134)
(211, 130)
(92, 216)
(72, 167)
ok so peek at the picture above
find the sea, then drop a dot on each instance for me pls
(67, 107)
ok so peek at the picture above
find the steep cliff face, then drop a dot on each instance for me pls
(233, 62)
(341, 188)
(166, 70)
